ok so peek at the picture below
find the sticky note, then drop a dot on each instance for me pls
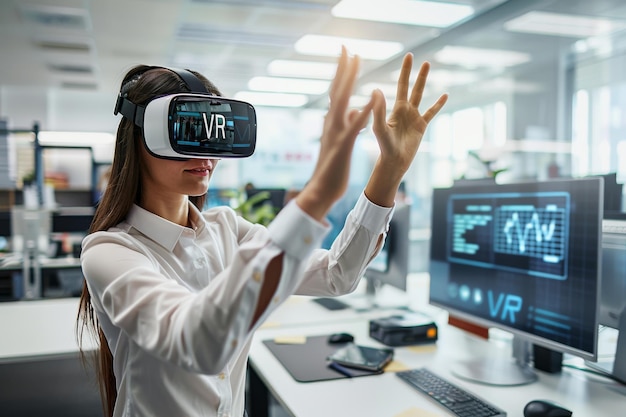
(290, 340)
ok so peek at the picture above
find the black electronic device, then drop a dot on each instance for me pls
(403, 329)
(362, 357)
(545, 408)
(524, 258)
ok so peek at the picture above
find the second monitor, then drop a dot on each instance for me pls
(524, 258)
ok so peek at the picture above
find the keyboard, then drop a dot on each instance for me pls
(457, 400)
(331, 303)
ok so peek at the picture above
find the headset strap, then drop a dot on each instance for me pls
(135, 112)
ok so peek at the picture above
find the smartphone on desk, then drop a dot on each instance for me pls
(362, 357)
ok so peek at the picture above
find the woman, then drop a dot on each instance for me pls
(175, 294)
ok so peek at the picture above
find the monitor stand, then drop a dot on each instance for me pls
(500, 371)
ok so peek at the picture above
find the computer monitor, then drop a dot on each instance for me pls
(5, 223)
(613, 293)
(389, 268)
(72, 220)
(391, 265)
(217, 197)
(524, 258)
(612, 318)
(612, 194)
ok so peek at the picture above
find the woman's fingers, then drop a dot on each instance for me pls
(434, 109)
(343, 83)
(380, 112)
(420, 83)
(403, 80)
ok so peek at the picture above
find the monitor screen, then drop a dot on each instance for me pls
(5, 223)
(72, 220)
(522, 257)
(391, 265)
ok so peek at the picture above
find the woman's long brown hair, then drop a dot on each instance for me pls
(141, 84)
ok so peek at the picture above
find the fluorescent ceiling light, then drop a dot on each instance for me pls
(288, 85)
(410, 12)
(321, 45)
(443, 77)
(480, 58)
(302, 69)
(546, 23)
(272, 99)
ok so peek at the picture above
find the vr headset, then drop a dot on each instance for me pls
(193, 125)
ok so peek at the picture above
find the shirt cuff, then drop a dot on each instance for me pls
(374, 217)
(295, 232)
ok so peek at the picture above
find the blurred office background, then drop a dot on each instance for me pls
(537, 88)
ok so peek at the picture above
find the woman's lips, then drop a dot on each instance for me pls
(203, 172)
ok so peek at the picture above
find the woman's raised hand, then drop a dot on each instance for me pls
(400, 135)
(329, 180)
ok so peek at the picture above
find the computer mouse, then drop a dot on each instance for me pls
(545, 408)
(340, 338)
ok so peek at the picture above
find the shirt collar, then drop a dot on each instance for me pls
(160, 230)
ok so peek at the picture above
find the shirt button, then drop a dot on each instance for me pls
(257, 276)
(276, 299)
(234, 343)
(222, 375)
(307, 240)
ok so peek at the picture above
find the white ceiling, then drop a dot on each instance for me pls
(69, 45)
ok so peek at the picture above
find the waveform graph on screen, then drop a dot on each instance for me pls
(522, 232)
(535, 231)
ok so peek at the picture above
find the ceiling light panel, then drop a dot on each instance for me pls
(302, 69)
(321, 45)
(410, 12)
(288, 85)
(440, 78)
(480, 58)
(257, 98)
(545, 23)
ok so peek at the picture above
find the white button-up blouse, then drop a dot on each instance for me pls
(176, 303)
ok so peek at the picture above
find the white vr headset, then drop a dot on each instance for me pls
(193, 125)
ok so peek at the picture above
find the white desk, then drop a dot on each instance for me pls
(40, 370)
(39, 328)
(387, 396)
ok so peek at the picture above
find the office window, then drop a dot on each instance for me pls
(599, 116)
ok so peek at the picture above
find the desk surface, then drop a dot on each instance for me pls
(36, 328)
(387, 396)
(46, 328)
